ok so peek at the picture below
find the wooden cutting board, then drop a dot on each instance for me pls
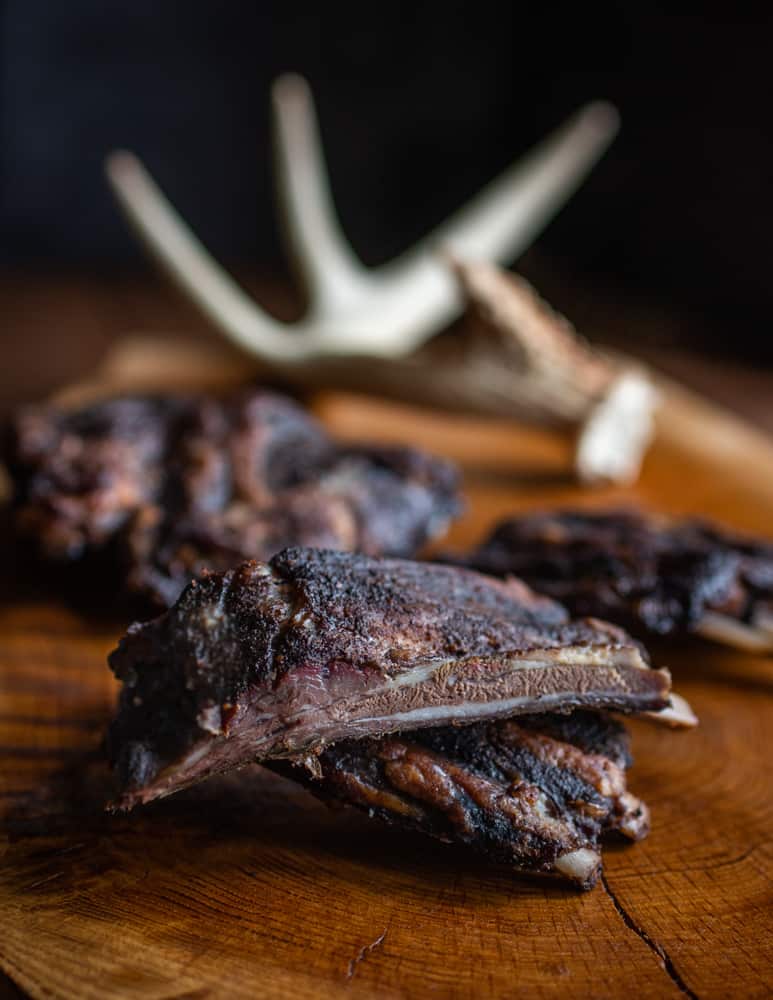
(247, 887)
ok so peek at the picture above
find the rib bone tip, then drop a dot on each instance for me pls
(582, 866)
(677, 713)
(752, 638)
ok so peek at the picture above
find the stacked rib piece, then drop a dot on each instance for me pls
(316, 658)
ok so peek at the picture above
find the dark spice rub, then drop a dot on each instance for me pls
(170, 487)
(645, 572)
(281, 659)
(537, 792)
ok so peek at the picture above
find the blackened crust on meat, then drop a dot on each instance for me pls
(175, 487)
(645, 572)
(78, 478)
(527, 791)
(591, 732)
(281, 659)
(399, 497)
(204, 655)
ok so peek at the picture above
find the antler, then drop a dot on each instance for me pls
(516, 357)
(519, 359)
(384, 312)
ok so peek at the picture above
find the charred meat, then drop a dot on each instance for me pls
(537, 792)
(179, 486)
(282, 659)
(79, 478)
(644, 572)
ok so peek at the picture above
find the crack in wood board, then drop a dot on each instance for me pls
(363, 953)
(657, 949)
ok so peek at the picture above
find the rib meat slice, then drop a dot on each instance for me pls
(179, 486)
(537, 792)
(645, 572)
(280, 659)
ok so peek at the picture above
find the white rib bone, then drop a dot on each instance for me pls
(678, 714)
(386, 312)
(730, 632)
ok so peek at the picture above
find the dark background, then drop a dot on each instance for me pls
(420, 104)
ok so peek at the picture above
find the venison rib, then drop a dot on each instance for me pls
(281, 659)
(536, 792)
(169, 487)
(645, 572)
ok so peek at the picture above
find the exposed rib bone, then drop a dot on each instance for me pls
(763, 620)
(678, 714)
(755, 638)
(581, 866)
(386, 312)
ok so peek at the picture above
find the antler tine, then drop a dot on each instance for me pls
(333, 275)
(193, 269)
(501, 221)
(416, 293)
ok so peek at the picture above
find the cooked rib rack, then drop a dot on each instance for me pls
(282, 659)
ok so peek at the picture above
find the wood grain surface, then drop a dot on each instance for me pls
(247, 887)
